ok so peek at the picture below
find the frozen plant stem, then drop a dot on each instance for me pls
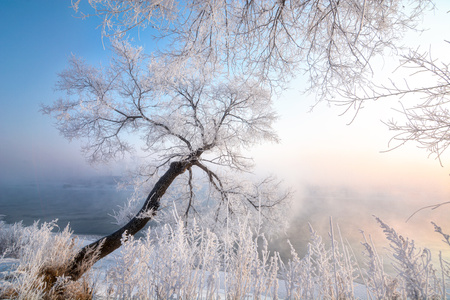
(334, 257)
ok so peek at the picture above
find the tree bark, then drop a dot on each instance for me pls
(95, 251)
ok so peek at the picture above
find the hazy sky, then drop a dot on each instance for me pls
(317, 150)
(36, 39)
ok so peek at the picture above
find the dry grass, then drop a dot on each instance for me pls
(195, 263)
(43, 257)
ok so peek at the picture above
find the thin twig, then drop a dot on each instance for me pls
(434, 206)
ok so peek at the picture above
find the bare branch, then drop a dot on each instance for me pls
(434, 206)
(271, 41)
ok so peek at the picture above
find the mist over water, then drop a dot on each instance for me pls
(87, 204)
(352, 211)
(84, 204)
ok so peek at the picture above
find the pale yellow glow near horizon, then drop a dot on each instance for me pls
(319, 148)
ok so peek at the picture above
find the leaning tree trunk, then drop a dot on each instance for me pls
(95, 251)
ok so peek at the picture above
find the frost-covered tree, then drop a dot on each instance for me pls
(424, 97)
(187, 123)
(272, 41)
(206, 94)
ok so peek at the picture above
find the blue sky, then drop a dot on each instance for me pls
(36, 39)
